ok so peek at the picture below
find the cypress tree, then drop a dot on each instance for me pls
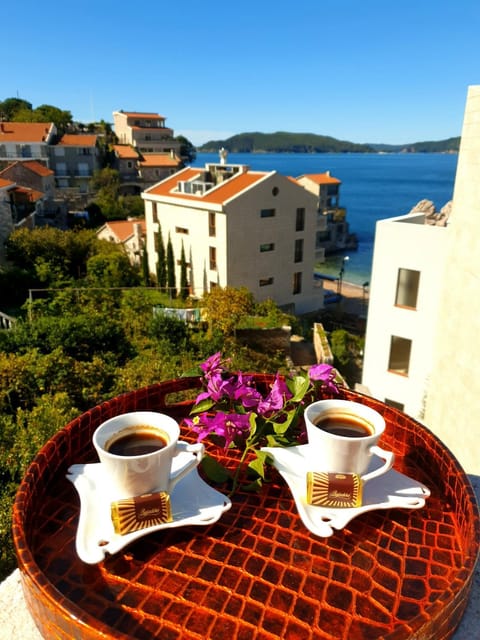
(171, 284)
(183, 275)
(145, 271)
(161, 261)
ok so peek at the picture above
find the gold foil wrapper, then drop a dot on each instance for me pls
(140, 512)
(337, 490)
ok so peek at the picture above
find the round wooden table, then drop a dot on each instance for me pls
(257, 573)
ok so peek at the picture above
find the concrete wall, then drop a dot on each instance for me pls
(403, 242)
(453, 401)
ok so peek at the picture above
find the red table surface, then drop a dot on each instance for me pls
(257, 572)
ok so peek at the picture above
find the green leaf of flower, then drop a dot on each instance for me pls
(214, 470)
(203, 405)
(298, 386)
(281, 428)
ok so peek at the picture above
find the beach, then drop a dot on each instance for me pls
(354, 297)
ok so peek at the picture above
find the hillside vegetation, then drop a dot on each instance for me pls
(284, 142)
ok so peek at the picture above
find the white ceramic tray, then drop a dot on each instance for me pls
(193, 502)
(392, 489)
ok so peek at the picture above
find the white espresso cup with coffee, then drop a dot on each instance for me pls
(343, 435)
(138, 450)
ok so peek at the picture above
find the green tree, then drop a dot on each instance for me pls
(145, 269)
(188, 152)
(183, 275)
(111, 270)
(46, 113)
(50, 255)
(106, 185)
(347, 350)
(226, 307)
(171, 280)
(11, 106)
(161, 260)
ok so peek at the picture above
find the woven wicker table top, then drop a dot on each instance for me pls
(257, 572)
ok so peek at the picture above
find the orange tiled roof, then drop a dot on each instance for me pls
(80, 140)
(218, 195)
(125, 151)
(5, 184)
(139, 114)
(321, 178)
(24, 131)
(36, 167)
(123, 229)
(32, 194)
(159, 160)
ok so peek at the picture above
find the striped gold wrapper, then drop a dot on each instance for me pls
(337, 490)
(140, 512)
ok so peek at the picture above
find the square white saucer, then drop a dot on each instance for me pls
(192, 501)
(390, 490)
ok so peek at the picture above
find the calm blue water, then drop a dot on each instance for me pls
(374, 187)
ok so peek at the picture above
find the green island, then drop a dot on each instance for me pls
(285, 142)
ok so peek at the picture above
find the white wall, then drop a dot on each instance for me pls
(403, 242)
(453, 402)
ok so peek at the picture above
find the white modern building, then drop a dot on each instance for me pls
(422, 347)
(238, 228)
(408, 263)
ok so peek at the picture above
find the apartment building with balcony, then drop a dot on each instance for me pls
(335, 233)
(238, 228)
(75, 158)
(146, 132)
(26, 140)
(138, 172)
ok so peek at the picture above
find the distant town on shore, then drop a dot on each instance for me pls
(285, 142)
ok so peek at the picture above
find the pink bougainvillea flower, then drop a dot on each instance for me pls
(245, 392)
(228, 426)
(325, 373)
(212, 365)
(276, 398)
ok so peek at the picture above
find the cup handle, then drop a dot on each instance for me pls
(197, 450)
(389, 458)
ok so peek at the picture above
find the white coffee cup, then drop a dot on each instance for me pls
(339, 450)
(134, 475)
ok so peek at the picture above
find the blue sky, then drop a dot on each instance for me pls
(370, 71)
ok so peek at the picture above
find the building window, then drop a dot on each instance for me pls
(181, 230)
(297, 282)
(298, 250)
(300, 220)
(394, 404)
(407, 288)
(267, 213)
(154, 212)
(267, 246)
(213, 258)
(263, 282)
(399, 359)
(212, 231)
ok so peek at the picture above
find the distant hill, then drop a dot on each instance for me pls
(284, 142)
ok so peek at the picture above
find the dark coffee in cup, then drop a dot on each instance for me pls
(346, 425)
(137, 442)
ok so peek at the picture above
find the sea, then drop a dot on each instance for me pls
(374, 187)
